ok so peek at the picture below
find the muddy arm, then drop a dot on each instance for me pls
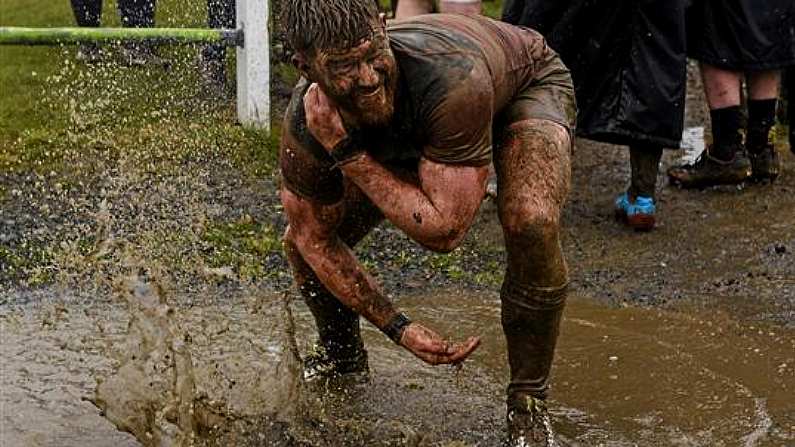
(436, 212)
(313, 231)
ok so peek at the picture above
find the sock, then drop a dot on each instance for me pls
(726, 136)
(761, 117)
(645, 163)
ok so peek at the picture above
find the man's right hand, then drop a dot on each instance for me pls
(431, 348)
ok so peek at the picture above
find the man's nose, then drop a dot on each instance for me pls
(368, 76)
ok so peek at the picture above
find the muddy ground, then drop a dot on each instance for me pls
(683, 336)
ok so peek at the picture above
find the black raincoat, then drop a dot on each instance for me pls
(628, 57)
(628, 62)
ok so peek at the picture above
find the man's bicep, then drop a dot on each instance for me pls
(455, 190)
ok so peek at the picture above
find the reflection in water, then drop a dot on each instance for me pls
(623, 376)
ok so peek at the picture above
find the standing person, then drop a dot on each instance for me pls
(220, 14)
(134, 14)
(732, 40)
(628, 62)
(402, 122)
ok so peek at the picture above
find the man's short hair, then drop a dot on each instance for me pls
(328, 24)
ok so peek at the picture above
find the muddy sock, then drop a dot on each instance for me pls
(530, 320)
(726, 136)
(645, 163)
(337, 326)
(761, 117)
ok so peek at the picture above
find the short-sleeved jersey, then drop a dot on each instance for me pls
(456, 73)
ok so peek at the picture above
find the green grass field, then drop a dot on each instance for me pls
(65, 127)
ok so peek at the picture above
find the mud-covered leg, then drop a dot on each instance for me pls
(339, 335)
(533, 175)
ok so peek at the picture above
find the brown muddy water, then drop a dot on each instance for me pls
(624, 376)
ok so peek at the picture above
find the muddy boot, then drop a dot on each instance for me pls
(765, 164)
(531, 320)
(710, 171)
(339, 349)
(529, 424)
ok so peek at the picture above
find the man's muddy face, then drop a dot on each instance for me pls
(361, 80)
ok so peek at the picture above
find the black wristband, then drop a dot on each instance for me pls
(348, 148)
(395, 327)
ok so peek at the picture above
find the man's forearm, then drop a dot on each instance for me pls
(338, 269)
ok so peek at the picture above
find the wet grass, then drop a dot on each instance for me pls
(105, 162)
(72, 135)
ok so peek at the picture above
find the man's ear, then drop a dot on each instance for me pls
(300, 62)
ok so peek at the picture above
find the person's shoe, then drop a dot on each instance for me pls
(637, 213)
(137, 54)
(710, 171)
(319, 364)
(765, 165)
(529, 425)
(89, 53)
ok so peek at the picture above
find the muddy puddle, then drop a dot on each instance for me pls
(624, 376)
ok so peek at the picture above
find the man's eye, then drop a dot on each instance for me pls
(343, 67)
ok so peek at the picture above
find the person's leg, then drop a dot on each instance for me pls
(339, 336)
(636, 207)
(410, 8)
(460, 6)
(220, 14)
(533, 166)
(137, 13)
(87, 12)
(725, 162)
(763, 87)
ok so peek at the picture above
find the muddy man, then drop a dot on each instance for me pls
(401, 122)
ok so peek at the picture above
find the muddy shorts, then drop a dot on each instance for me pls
(548, 96)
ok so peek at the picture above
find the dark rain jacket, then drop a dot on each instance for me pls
(627, 59)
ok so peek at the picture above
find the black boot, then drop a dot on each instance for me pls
(339, 349)
(530, 319)
(711, 171)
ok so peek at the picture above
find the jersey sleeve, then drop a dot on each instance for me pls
(305, 166)
(460, 124)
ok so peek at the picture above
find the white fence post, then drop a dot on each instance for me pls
(253, 64)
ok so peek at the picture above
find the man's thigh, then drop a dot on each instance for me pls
(533, 166)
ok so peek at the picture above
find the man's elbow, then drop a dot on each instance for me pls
(446, 242)
(302, 242)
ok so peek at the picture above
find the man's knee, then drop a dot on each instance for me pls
(539, 225)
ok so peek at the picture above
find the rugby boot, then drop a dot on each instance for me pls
(529, 424)
(531, 321)
(710, 171)
(339, 349)
(320, 363)
(637, 213)
(765, 164)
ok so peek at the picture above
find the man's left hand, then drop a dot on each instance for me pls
(433, 349)
(323, 117)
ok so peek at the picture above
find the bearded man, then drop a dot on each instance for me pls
(402, 122)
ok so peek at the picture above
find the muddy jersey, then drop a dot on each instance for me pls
(456, 74)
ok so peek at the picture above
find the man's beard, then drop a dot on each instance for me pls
(371, 112)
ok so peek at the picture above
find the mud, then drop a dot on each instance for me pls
(684, 336)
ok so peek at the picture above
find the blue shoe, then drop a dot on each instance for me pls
(638, 214)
